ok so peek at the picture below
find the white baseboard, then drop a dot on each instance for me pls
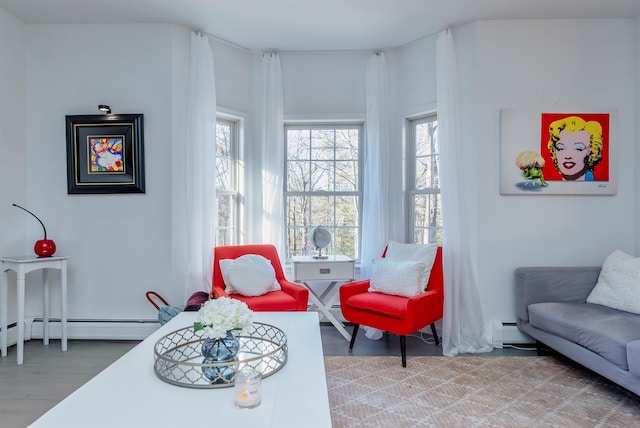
(507, 333)
(87, 329)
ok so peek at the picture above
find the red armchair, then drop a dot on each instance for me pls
(395, 314)
(292, 297)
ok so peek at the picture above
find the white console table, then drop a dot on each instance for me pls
(333, 269)
(23, 265)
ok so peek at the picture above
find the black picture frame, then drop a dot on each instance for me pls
(105, 153)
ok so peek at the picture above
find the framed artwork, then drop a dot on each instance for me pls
(557, 153)
(105, 153)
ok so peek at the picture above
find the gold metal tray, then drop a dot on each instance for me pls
(178, 359)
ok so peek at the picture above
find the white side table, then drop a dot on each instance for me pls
(333, 269)
(23, 265)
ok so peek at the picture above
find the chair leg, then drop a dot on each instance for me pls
(435, 334)
(403, 350)
(353, 336)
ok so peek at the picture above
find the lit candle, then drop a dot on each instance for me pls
(247, 388)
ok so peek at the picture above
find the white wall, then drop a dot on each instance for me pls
(13, 153)
(12, 135)
(324, 85)
(412, 75)
(119, 244)
(534, 64)
(555, 65)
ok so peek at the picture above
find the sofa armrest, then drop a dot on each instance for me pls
(552, 284)
(352, 288)
(298, 292)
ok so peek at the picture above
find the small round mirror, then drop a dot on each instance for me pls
(320, 238)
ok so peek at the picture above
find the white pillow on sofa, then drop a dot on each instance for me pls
(618, 285)
(400, 278)
(425, 253)
(249, 275)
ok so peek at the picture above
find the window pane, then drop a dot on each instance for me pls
(322, 144)
(321, 176)
(322, 210)
(297, 211)
(347, 211)
(223, 156)
(427, 138)
(298, 176)
(298, 144)
(427, 174)
(323, 164)
(347, 144)
(428, 218)
(425, 209)
(298, 239)
(347, 242)
(226, 181)
(346, 176)
(225, 219)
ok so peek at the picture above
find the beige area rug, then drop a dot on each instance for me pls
(474, 391)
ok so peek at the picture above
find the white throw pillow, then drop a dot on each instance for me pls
(618, 285)
(400, 278)
(425, 253)
(249, 275)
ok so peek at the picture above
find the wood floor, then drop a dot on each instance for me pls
(48, 375)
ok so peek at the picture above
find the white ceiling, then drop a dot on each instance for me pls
(312, 25)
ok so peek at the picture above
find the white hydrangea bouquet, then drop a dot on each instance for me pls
(219, 316)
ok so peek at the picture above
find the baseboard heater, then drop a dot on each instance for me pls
(89, 329)
(507, 333)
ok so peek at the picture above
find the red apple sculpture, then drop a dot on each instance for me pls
(44, 247)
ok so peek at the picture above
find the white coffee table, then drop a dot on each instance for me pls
(129, 394)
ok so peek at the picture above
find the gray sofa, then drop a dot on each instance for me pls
(551, 307)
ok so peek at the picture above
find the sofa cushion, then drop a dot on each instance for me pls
(424, 253)
(386, 304)
(618, 286)
(603, 330)
(633, 357)
(396, 277)
(249, 275)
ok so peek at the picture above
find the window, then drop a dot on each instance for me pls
(227, 195)
(425, 207)
(322, 186)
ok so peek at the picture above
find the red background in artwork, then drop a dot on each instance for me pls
(601, 171)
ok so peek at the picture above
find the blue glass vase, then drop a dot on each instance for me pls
(216, 351)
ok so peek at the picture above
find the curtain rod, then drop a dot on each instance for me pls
(223, 41)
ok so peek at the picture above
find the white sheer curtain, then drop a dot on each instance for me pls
(201, 214)
(273, 153)
(376, 164)
(463, 326)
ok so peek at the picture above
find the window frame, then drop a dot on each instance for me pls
(234, 125)
(412, 188)
(326, 125)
